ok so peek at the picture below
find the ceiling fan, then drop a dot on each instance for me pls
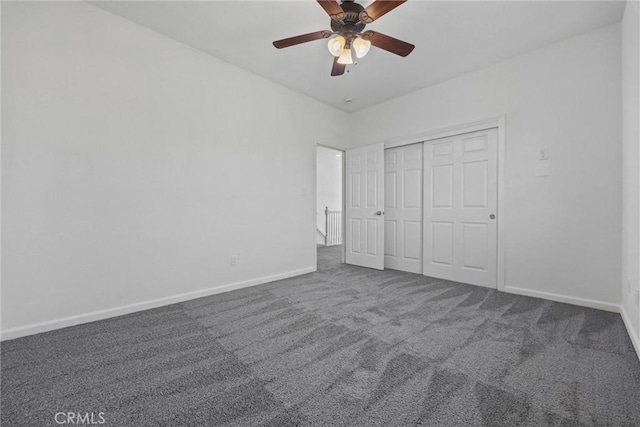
(347, 23)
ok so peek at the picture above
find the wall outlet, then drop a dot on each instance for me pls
(234, 260)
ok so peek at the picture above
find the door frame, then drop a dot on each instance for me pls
(315, 201)
(498, 122)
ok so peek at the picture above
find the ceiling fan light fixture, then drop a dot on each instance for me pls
(336, 45)
(348, 20)
(345, 57)
(361, 47)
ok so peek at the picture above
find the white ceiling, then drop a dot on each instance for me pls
(451, 37)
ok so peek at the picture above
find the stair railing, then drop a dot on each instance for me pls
(333, 227)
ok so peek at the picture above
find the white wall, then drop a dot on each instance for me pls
(630, 169)
(563, 232)
(133, 166)
(329, 183)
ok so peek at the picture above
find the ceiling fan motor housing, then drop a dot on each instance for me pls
(351, 25)
(348, 20)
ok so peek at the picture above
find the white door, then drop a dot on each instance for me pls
(403, 208)
(365, 200)
(461, 197)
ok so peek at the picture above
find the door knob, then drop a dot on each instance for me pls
(379, 213)
(492, 216)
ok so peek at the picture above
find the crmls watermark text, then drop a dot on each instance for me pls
(80, 418)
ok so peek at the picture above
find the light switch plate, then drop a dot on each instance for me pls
(544, 154)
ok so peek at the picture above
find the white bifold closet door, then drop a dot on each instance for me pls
(364, 203)
(403, 208)
(460, 182)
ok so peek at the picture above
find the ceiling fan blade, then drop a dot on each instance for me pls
(337, 69)
(377, 9)
(388, 43)
(292, 41)
(332, 8)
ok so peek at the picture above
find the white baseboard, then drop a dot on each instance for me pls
(64, 322)
(635, 336)
(615, 308)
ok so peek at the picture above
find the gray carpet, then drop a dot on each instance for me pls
(343, 346)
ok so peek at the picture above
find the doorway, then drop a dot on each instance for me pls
(329, 196)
